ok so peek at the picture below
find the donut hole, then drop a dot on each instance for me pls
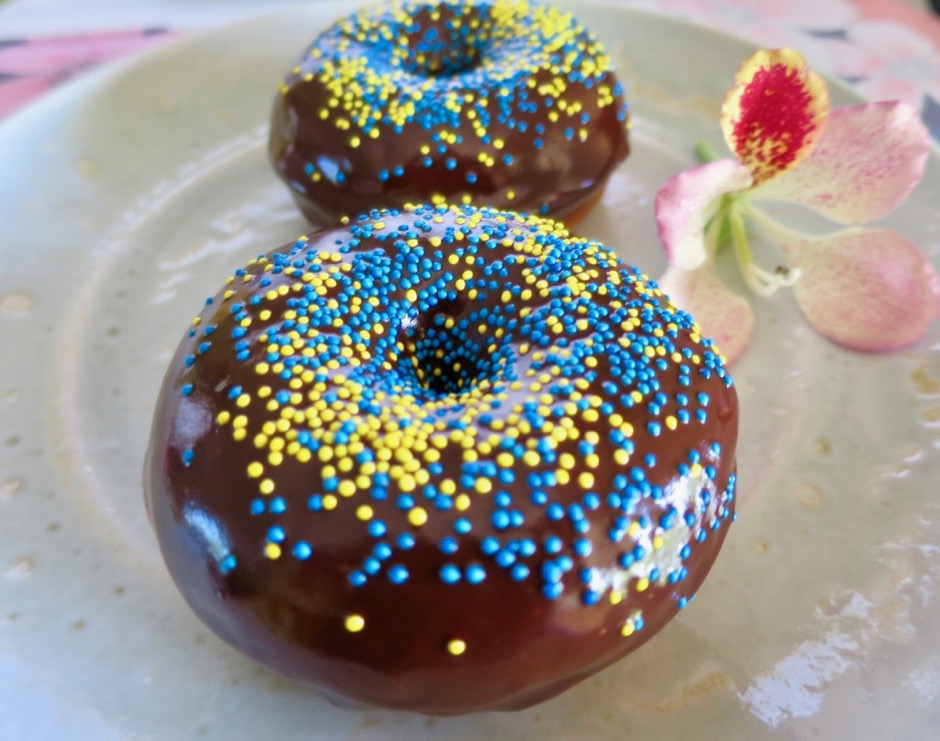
(444, 58)
(451, 352)
(447, 364)
(444, 359)
(443, 43)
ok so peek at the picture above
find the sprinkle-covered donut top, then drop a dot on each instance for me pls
(506, 103)
(434, 412)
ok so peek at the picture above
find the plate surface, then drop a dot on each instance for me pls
(131, 195)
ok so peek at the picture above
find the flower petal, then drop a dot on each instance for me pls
(723, 316)
(685, 204)
(867, 160)
(774, 113)
(867, 289)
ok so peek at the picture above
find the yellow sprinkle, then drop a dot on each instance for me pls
(364, 512)
(417, 516)
(456, 647)
(272, 551)
(355, 623)
(483, 486)
(642, 584)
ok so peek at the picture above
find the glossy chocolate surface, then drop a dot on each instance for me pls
(478, 498)
(505, 104)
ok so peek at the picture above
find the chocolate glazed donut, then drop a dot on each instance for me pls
(504, 103)
(442, 460)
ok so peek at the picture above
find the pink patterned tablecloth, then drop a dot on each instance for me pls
(885, 49)
(32, 67)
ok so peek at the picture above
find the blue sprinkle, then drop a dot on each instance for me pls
(489, 546)
(500, 519)
(474, 573)
(519, 572)
(583, 547)
(552, 590)
(357, 578)
(551, 571)
(449, 574)
(505, 558)
(590, 597)
(398, 574)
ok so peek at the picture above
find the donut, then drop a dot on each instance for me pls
(505, 103)
(443, 459)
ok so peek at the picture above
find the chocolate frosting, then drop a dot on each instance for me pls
(510, 104)
(442, 460)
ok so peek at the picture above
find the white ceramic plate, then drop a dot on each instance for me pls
(128, 197)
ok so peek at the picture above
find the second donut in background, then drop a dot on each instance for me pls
(505, 103)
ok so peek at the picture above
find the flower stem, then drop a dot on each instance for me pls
(714, 229)
(762, 282)
(705, 152)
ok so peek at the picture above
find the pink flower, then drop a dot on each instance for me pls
(865, 288)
